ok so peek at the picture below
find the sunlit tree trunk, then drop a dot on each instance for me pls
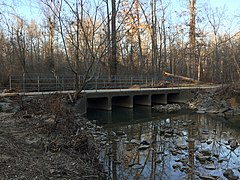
(164, 38)
(140, 56)
(192, 58)
(154, 37)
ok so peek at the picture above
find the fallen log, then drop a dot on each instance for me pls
(181, 77)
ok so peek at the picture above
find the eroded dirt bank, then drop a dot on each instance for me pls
(42, 139)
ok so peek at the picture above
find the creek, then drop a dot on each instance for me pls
(142, 143)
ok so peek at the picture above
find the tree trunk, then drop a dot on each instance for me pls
(192, 38)
(108, 38)
(139, 37)
(154, 37)
(113, 65)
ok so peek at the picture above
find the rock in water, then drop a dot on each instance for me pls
(230, 174)
(211, 167)
(234, 144)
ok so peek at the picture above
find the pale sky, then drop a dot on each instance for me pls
(232, 5)
(30, 9)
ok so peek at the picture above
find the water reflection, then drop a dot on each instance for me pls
(143, 144)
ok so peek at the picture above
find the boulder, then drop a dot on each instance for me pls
(229, 174)
(206, 152)
(176, 166)
(210, 166)
(234, 144)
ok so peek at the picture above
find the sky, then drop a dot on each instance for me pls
(232, 5)
(30, 9)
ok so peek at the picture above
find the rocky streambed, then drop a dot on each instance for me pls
(198, 145)
(183, 146)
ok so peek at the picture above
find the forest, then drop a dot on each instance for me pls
(121, 37)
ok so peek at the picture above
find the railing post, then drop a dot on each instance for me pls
(96, 83)
(62, 84)
(10, 82)
(38, 82)
(79, 81)
(74, 82)
(23, 79)
(56, 86)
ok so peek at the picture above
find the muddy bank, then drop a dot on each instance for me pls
(42, 139)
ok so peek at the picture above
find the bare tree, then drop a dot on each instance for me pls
(81, 38)
(215, 18)
(153, 4)
(192, 37)
(113, 65)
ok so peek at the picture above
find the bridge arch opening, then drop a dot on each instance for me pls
(159, 99)
(144, 100)
(99, 103)
(122, 101)
(173, 98)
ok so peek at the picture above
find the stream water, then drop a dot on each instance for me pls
(145, 144)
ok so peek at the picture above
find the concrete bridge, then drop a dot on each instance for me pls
(106, 99)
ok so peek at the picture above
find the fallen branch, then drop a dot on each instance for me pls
(181, 77)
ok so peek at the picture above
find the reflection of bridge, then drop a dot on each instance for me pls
(120, 117)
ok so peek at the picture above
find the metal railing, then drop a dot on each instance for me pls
(49, 82)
